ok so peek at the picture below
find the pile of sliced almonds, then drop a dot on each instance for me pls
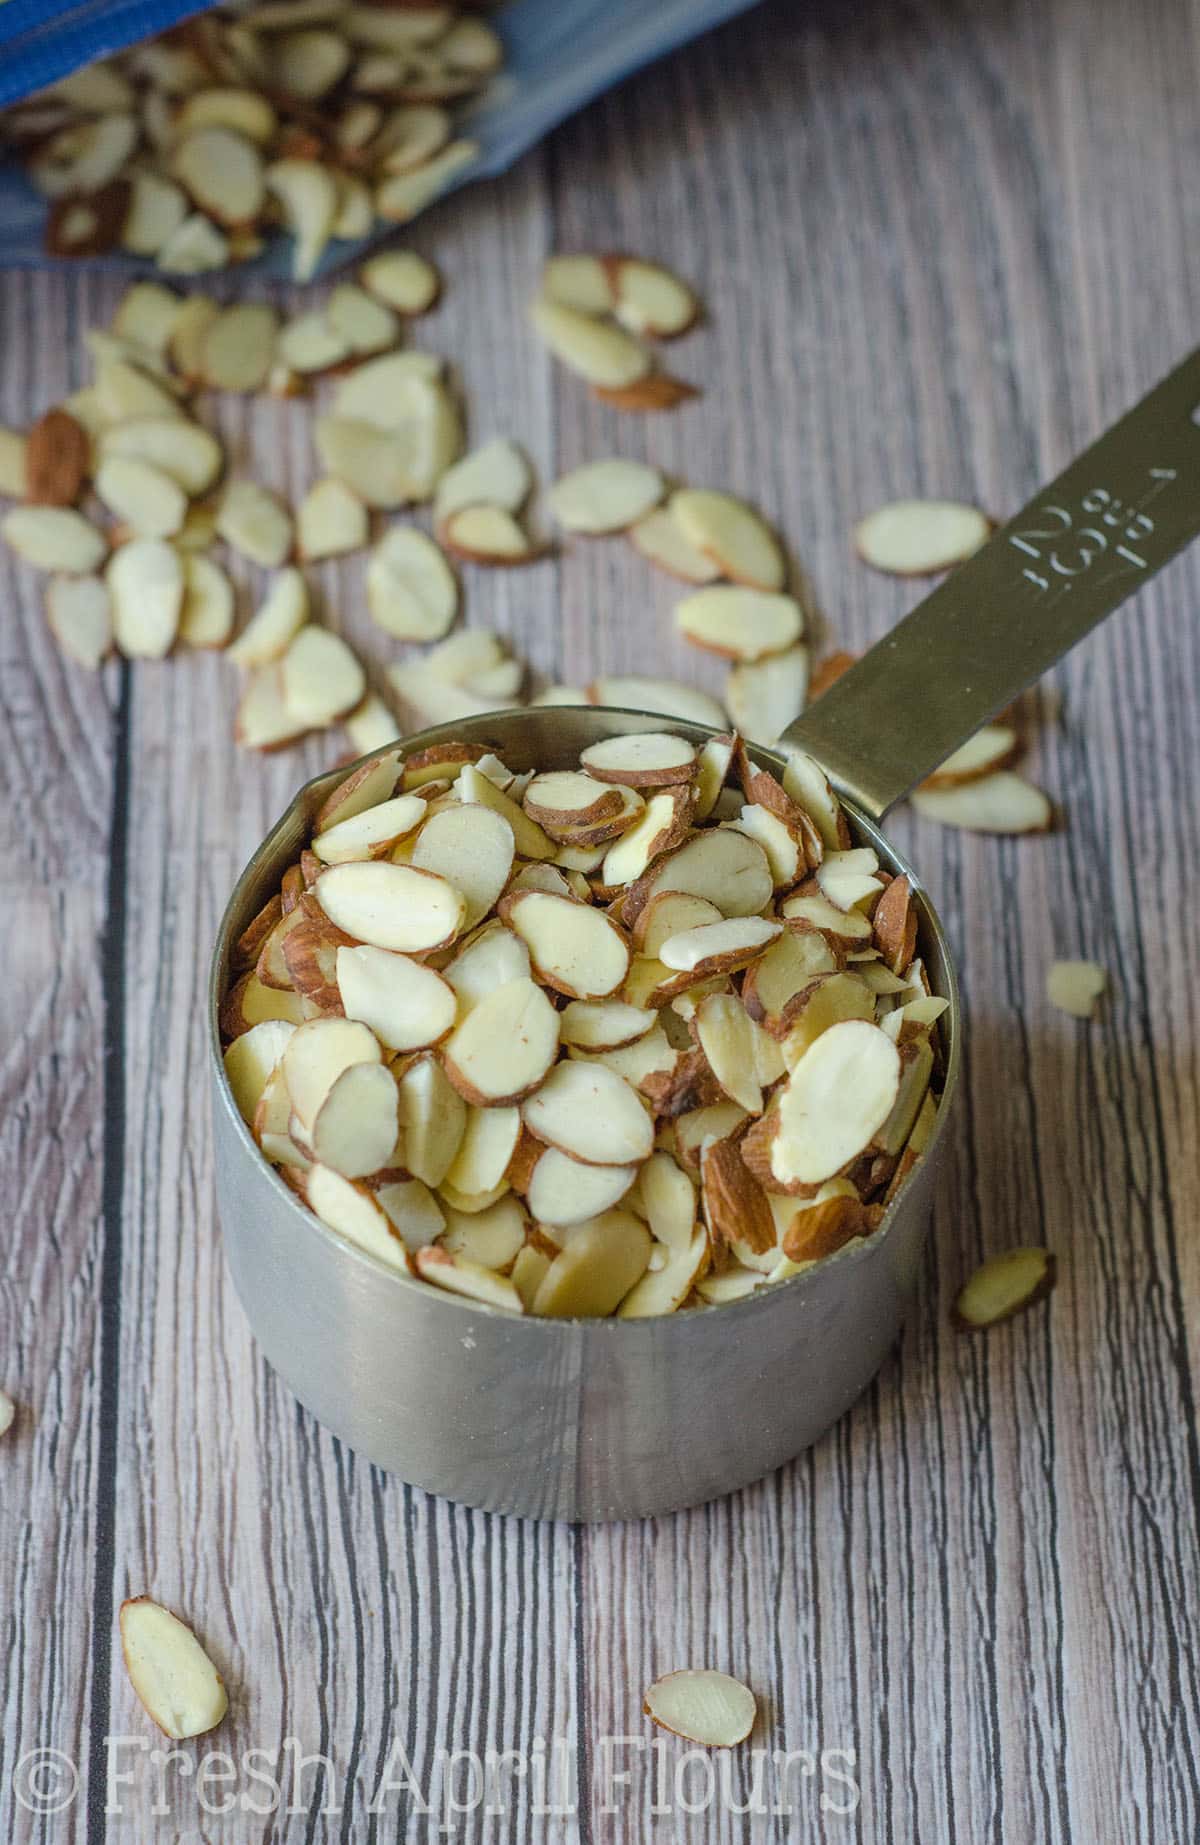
(594, 313)
(320, 117)
(638, 1034)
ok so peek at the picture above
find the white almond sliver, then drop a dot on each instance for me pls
(460, 1275)
(175, 1680)
(194, 249)
(263, 720)
(600, 1261)
(1000, 803)
(740, 624)
(401, 197)
(917, 537)
(563, 1191)
(355, 1213)
(838, 1097)
(255, 523)
(504, 1046)
(148, 501)
(247, 113)
(665, 1289)
(381, 465)
(402, 279)
(390, 906)
(270, 631)
(316, 1054)
(661, 540)
(412, 592)
(720, 946)
(739, 542)
(369, 832)
(723, 867)
(671, 913)
(1003, 1286)
(223, 172)
(988, 751)
(146, 585)
(471, 846)
(662, 695)
(572, 947)
(580, 282)
(157, 208)
(364, 787)
(330, 521)
(371, 725)
(238, 347)
(650, 758)
(604, 1025)
(702, 1707)
(309, 197)
(54, 538)
(493, 1237)
(487, 1146)
(413, 1212)
(206, 619)
(1075, 986)
(591, 1114)
(389, 391)
(489, 960)
(606, 496)
(531, 841)
(322, 679)
(497, 474)
(188, 454)
(79, 612)
(487, 535)
(668, 1199)
(805, 782)
(652, 300)
(600, 352)
(366, 325)
(250, 1061)
(356, 1125)
(764, 697)
(433, 1118)
(727, 1036)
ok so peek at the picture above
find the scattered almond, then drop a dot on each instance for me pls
(918, 537)
(1004, 1286)
(1075, 987)
(606, 496)
(175, 1680)
(703, 1707)
(998, 803)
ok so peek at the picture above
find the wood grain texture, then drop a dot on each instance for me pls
(940, 247)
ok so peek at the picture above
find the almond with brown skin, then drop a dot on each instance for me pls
(735, 1204)
(828, 1226)
(57, 457)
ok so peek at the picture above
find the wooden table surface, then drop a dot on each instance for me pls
(942, 246)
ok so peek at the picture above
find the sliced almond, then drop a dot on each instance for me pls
(917, 537)
(662, 695)
(330, 521)
(185, 346)
(765, 697)
(646, 759)
(992, 748)
(255, 523)
(460, 1275)
(894, 925)
(366, 325)
(601, 1260)
(838, 1097)
(322, 679)
(411, 136)
(720, 947)
(489, 960)
(604, 1025)
(412, 592)
(223, 172)
(402, 196)
(145, 499)
(737, 1050)
(1075, 986)
(565, 799)
(316, 1055)
(789, 965)
(186, 453)
(740, 624)
(238, 347)
(827, 1226)
(355, 1127)
(433, 1118)
(370, 832)
(249, 1002)
(805, 782)
(471, 846)
(54, 538)
(194, 248)
(146, 588)
(355, 1213)
(309, 344)
(493, 1238)
(1000, 803)
(405, 281)
(1003, 1286)
(391, 906)
(703, 1707)
(309, 197)
(365, 787)
(250, 1061)
(371, 724)
(488, 535)
(504, 1047)
(591, 1114)
(576, 950)
(662, 826)
(264, 721)
(276, 623)
(413, 1212)
(661, 539)
(670, 913)
(595, 349)
(530, 840)
(380, 465)
(226, 106)
(845, 929)
(650, 299)
(739, 542)
(664, 1289)
(206, 618)
(580, 282)
(562, 1191)
(828, 1000)
(724, 867)
(606, 496)
(735, 1204)
(483, 1156)
(175, 1680)
(85, 157)
(79, 612)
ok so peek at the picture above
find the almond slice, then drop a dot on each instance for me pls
(805, 782)
(489, 960)
(186, 453)
(765, 697)
(1000, 803)
(79, 612)
(371, 724)
(827, 1001)
(146, 587)
(1003, 1286)
(720, 947)
(57, 460)
(670, 913)
(471, 846)
(391, 906)
(662, 825)
(355, 1213)
(664, 1289)
(846, 929)
(827, 1226)
(175, 1680)
(650, 299)
(356, 1125)
(255, 523)
(250, 1061)
(661, 539)
(601, 1260)
(238, 347)
(306, 64)
(990, 749)
(412, 592)
(917, 537)
(270, 631)
(196, 247)
(894, 925)
(380, 465)
(263, 720)
(322, 680)
(604, 1025)
(848, 879)
(565, 799)
(724, 867)
(460, 1275)
(206, 618)
(838, 1097)
(739, 542)
(250, 1002)
(330, 521)
(576, 950)
(146, 500)
(248, 114)
(595, 349)
(433, 1119)
(369, 832)
(405, 281)
(580, 282)
(493, 1237)
(740, 624)
(730, 1041)
(1075, 986)
(563, 1192)
(488, 535)
(367, 326)
(310, 344)
(411, 136)
(647, 759)
(316, 1055)
(365, 786)
(789, 965)
(667, 1198)
(606, 496)
(54, 538)
(223, 172)
(632, 692)
(84, 157)
(591, 1114)
(309, 197)
(483, 1156)
(735, 1204)
(413, 1212)
(530, 840)
(703, 1707)
(401, 197)
(504, 1047)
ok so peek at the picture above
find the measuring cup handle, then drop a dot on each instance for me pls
(1077, 550)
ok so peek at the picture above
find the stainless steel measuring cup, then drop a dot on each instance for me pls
(603, 1419)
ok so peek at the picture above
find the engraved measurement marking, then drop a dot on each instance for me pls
(1115, 524)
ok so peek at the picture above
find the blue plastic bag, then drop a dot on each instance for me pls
(559, 54)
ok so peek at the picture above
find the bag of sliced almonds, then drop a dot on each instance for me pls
(156, 136)
(637, 1035)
